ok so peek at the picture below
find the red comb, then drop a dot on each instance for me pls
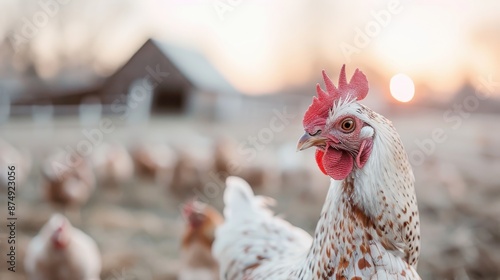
(357, 88)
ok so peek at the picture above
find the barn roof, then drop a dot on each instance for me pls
(195, 67)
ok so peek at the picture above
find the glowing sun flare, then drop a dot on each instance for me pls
(402, 88)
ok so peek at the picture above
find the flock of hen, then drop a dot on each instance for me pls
(368, 228)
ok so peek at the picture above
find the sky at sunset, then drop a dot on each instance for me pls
(264, 46)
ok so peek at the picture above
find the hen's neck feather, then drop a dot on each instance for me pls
(387, 170)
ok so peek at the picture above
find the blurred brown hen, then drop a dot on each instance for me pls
(113, 164)
(197, 262)
(189, 173)
(67, 186)
(156, 161)
(256, 170)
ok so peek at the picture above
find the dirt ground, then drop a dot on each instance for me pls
(138, 227)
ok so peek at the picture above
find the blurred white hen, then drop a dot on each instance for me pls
(62, 252)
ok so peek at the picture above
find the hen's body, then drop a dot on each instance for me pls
(369, 225)
(252, 243)
(113, 164)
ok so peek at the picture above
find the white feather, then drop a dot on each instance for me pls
(251, 232)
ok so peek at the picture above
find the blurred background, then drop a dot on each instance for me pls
(145, 104)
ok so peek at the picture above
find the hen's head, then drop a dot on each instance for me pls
(201, 221)
(58, 230)
(338, 126)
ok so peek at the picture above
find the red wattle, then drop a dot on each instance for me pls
(319, 160)
(337, 163)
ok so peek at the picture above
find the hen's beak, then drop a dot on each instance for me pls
(307, 141)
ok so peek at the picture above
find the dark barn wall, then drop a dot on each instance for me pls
(170, 99)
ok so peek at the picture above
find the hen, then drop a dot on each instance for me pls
(196, 256)
(369, 224)
(228, 161)
(113, 164)
(62, 252)
(67, 186)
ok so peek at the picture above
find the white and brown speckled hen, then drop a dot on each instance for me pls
(369, 226)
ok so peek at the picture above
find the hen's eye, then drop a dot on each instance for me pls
(315, 133)
(348, 125)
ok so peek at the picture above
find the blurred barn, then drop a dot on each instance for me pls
(158, 78)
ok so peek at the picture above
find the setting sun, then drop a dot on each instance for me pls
(402, 88)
